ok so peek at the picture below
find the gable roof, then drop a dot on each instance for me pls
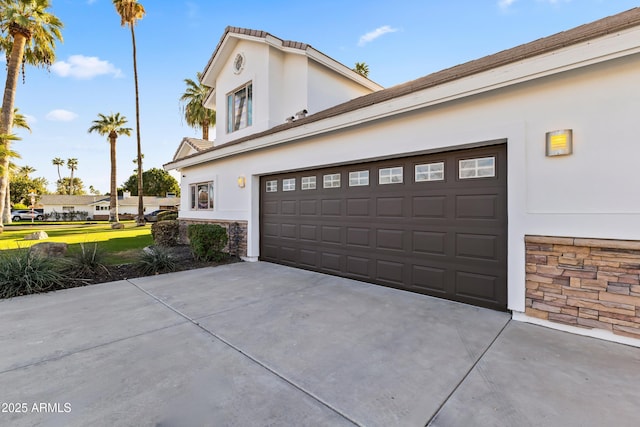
(197, 144)
(583, 33)
(232, 34)
(66, 199)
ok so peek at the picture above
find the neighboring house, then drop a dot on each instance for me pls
(97, 207)
(506, 182)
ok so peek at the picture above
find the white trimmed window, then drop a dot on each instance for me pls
(483, 167)
(358, 178)
(331, 180)
(430, 172)
(240, 108)
(272, 186)
(201, 196)
(308, 183)
(289, 184)
(390, 175)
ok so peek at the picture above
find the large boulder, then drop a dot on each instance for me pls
(49, 249)
(38, 235)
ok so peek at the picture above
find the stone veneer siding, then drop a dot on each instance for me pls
(241, 228)
(589, 283)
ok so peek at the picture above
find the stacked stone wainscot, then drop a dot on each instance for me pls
(589, 283)
(236, 231)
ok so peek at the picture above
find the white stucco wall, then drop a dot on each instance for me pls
(328, 88)
(591, 193)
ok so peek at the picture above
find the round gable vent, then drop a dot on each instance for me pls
(238, 63)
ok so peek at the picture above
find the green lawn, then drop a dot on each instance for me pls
(121, 246)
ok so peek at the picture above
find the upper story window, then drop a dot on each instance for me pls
(240, 108)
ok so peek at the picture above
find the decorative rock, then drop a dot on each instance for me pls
(49, 249)
(38, 235)
(117, 226)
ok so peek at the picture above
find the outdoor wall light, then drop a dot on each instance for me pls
(242, 181)
(559, 143)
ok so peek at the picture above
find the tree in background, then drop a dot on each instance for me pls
(29, 36)
(63, 185)
(362, 68)
(157, 182)
(195, 113)
(130, 12)
(72, 164)
(93, 191)
(19, 121)
(112, 126)
(58, 162)
(22, 185)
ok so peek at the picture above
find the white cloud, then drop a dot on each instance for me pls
(372, 35)
(504, 4)
(91, 1)
(85, 67)
(61, 116)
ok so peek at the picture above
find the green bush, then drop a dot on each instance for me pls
(167, 216)
(87, 262)
(165, 233)
(156, 260)
(22, 273)
(207, 241)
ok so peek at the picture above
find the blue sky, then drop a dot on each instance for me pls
(400, 41)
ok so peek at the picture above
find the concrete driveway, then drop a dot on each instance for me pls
(257, 344)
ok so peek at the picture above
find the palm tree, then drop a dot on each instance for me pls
(195, 113)
(362, 68)
(130, 12)
(112, 126)
(58, 162)
(32, 34)
(19, 121)
(72, 164)
(26, 170)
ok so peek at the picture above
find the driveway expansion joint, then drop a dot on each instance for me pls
(462, 380)
(248, 356)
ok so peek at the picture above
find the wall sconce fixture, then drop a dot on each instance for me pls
(559, 143)
(242, 181)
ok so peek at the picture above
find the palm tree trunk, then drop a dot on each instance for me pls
(6, 215)
(71, 189)
(8, 101)
(139, 146)
(205, 129)
(113, 198)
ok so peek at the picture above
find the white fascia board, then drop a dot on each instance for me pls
(591, 52)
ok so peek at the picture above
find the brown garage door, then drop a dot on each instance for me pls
(434, 224)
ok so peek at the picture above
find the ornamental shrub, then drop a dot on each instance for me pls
(167, 215)
(165, 233)
(207, 241)
(23, 273)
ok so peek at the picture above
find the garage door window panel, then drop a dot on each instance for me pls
(483, 167)
(272, 186)
(331, 180)
(289, 184)
(390, 175)
(358, 178)
(429, 172)
(308, 183)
